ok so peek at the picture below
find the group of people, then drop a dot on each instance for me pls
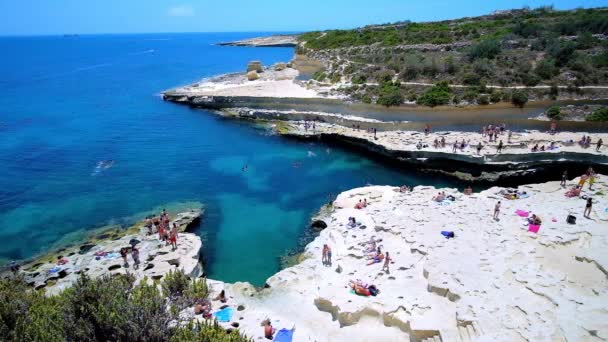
(585, 142)
(361, 204)
(492, 132)
(161, 225)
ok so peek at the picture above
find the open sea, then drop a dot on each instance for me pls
(69, 103)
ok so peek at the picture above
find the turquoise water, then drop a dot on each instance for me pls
(69, 103)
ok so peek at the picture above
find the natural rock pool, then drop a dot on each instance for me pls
(86, 141)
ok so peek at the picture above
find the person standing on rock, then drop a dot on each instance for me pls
(564, 179)
(387, 260)
(123, 253)
(455, 146)
(509, 136)
(499, 148)
(496, 211)
(588, 207)
(479, 147)
(328, 256)
(599, 145)
(324, 255)
(173, 236)
(135, 255)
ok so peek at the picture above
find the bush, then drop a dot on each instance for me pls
(366, 99)
(529, 80)
(319, 76)
(439, 94)
(496, 97)
(600, 114)
(483, 100)
(488, 48)
(554, 113)
(553, 91)
(335, 78)
(390, 94)
(519, 98)
(471, 79)
(358, 79)
(546, 69)
(108, 308)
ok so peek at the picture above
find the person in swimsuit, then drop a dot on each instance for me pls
(324, 255)
(123, 254)
(173, 237)
(387, 260)
(328, 256)
(564, 178)
(588, 207)
(135, 255)
(496, 210)
(268, 330)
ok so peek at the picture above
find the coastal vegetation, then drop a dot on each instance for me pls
(522, 47)
(109, 308)
(600, 114)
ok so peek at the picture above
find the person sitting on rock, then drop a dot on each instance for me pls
(542, 148)
(352, 222)
(268, 329)
(535, 220)
(359, 205)
(221, 297)
(573, 192)
(468, 190)
(440, 197)
(535, 148)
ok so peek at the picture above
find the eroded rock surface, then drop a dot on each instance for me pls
(156, 257)
(494, 281)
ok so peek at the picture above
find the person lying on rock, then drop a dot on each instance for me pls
(535, 220)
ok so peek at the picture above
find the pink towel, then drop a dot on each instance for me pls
(522, 213)
(533, 228)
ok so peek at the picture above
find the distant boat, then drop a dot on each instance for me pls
(70, 35)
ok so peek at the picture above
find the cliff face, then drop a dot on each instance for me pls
(494, 281)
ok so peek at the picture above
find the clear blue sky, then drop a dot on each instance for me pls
(31, 17)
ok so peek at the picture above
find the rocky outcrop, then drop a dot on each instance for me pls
(515, 159)
(495, 281)
(255, 66)
(271, 41)
(102, 256)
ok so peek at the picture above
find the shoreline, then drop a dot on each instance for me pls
(455, 287)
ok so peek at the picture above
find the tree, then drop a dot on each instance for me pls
(439, 94)
(390, 94)
(554, 113)
(600, 114)
(519, 98)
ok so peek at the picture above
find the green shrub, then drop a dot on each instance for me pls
(470, 95)
(390, 94)
(530, 80)
(335, 78)
(319, 76)
(358, 79)
(471, 79)
(109, 308)
(483, 100)
(488, 48)
(554, 113)
(600, 114)
(366, 99)
(439, 94)
(546, 69)
(519, 98)
(175, 283)
(496, 97)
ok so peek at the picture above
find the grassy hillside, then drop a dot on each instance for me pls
(525, 47)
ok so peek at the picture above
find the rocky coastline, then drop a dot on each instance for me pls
(100, 255)
(287, 40)
(492, 281)
(416, 149)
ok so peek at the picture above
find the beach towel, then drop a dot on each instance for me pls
(533, 228)
(521, 196)
(522, 213)
(54, 270)
(284, 335)
(445, 202)
(447, 234)
(224, 315)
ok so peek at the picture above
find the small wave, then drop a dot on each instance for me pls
(142, 52)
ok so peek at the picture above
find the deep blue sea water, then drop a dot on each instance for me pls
(68, 103)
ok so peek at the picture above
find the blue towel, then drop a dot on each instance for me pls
(284, 335)
(447, 234)
(224, 315)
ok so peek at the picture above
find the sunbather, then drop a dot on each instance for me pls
(574, 192)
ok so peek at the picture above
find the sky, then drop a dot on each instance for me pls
(47, 17)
